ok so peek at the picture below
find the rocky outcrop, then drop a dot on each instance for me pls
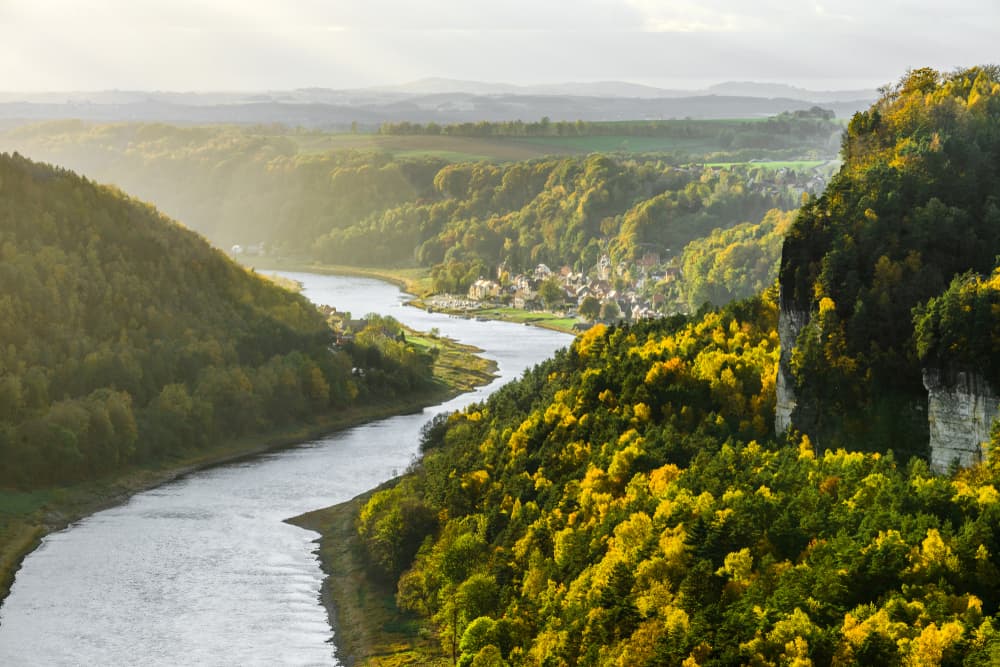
(790, 323)
(961, 407)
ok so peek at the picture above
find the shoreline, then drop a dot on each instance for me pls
(409, 280)
(68, 505)
(361, 609)
(414, 285)
(542, 320)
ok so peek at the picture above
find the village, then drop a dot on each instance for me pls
(608, 294)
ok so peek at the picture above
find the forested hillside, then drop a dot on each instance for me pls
(960, 329)
(561, 212)
(627, 503)
(460, 218)
(734, 263)
(915, 204)
(125, 337)
(624, 504)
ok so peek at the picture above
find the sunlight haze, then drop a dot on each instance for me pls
(259, 45)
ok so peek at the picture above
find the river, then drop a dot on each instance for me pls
(203, 570)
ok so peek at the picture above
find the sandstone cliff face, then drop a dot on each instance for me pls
(790, 323)
(961, 407)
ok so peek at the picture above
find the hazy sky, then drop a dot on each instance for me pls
(279, 44)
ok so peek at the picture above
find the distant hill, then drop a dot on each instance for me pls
(627, 89)
(757, 89)
(430, 100)
(243, 186)
(432, 86)
(440, 108)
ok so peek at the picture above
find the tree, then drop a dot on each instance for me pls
(551, 292)
(610, 311)
(590, 307)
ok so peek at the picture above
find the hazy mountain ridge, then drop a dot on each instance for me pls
(439, 85)
(437, 100)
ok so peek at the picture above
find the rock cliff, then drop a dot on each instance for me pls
(961, 407)
(790, 323)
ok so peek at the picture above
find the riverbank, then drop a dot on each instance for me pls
(415, 280)
(535, 318)
(368, 628)
(26, 517)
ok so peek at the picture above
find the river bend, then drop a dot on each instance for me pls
(203, 570)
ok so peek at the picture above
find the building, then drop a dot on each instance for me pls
(484, 289)
(542, 271)
(604, 267)
(649, 260)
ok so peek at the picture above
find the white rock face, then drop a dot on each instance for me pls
(960, 413)
(790, 323)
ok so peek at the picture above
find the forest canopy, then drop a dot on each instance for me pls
(462, 218)
(125, 337)
(628, 503)
(625, 503)
(914, 205)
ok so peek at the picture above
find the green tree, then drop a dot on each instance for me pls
(590, 307)
(610, 311)
(551, 293)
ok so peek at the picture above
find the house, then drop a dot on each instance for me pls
(542, 271)
(484, 289)
(354, 325)
(526, 300)
(649, 260)
(642, 312)
(600, 287)
(251, 250)
(604, 267)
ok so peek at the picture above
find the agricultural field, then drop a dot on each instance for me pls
(500, 149)
(798, 165)
(453, 149)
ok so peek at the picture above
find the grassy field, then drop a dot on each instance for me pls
(457, 367)
(509, 149)
(501, 149)
(25, 517)
(455, 149)
(799, 165)
(620, 144)
(540, 319)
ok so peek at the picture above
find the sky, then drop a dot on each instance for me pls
(239, 45)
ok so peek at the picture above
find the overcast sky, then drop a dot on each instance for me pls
(186, 45)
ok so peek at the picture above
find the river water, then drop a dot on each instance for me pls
(203, 570)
